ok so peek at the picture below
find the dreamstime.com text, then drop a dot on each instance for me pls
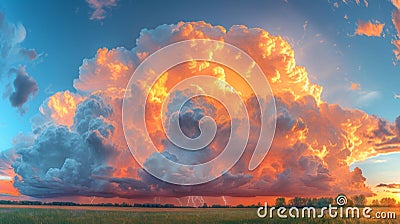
(339, 211)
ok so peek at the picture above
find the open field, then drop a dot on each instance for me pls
(71, 214)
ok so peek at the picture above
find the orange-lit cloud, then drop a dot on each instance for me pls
(355, 86)
(396, 23)
(369, 29)
(7, 173)
(61, 107)
(7, 188)
(110, 68)
(314, 145)
(396, 3)
(397, 186)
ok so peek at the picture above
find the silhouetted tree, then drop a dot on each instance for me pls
(323, 202)
(298, 202)
(359, 200)
(375, 202)
(388, 202)
(280, 202)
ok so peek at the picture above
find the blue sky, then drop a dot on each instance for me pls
(323, 40)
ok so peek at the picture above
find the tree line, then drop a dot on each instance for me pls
(357, 200)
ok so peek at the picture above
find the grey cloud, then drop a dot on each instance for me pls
(29, 53)
(64, 162)
(12, 53)
(24, 87)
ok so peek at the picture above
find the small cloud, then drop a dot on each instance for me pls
(305, 25)
(347, 2)
(5, 178)
(379, 161)
(336, 5)
(24, 87)
(369, 29)
(99, 7)
(396, 51)
(29, 53)
(11, 37)
(389, 185)
(396, 96)
(366, 98)
(12, 53)
(355, 86)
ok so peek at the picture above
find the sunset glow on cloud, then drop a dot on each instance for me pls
(79, 149)
(369, 29)
(333, 81)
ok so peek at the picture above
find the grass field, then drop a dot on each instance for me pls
(88, 215)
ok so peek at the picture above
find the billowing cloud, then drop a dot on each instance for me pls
(109, 69)
(24, 86)
(61, 107)
(80, 150)
(61, 159)
(369, 29)
(99, 7)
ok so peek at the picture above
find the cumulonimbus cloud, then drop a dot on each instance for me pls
(80, 150)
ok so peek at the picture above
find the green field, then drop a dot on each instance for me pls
(88, 215)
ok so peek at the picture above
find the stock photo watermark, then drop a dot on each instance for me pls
(340, 210)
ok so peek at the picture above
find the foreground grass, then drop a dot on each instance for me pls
(89, 215)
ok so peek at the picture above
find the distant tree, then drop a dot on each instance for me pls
(240, 206)
(168, 206)
(359, 200)
(4, 202)
(205, 205)
(124, 204)
(375, 202)
(298, 202)
(312, 202)
(388, 202)
(323, 202)
(280, 202)
(350, 203)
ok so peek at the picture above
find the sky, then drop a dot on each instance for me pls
(346, 47)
